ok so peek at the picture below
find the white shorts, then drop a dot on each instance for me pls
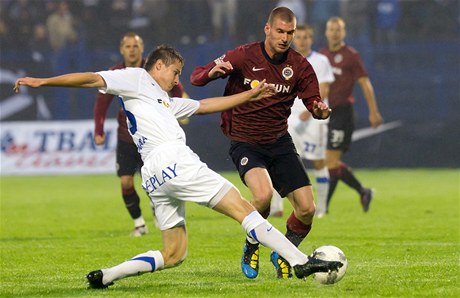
(310, 137)
(173, 175)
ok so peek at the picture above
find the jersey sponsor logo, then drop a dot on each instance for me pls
(140, 143)
(257, 69)
(220, 59)
(154, 182)
(244, 161)
(161, 101)
(287, 72)
(278, 87)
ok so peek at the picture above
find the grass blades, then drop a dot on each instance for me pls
(56, 229)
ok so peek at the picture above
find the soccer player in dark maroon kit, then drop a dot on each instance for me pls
(261, 148)
(348, 68)
(128, 159)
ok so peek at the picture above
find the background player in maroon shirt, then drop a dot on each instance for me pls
(128, 159)
(261, 148)
(348, 68)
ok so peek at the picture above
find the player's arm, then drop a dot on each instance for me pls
(99, 113)
(324, 93)
(202, 75)
(374, 115)
(76, 80)
(223, 103)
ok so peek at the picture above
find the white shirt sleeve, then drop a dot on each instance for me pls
(327, 76)
(121, 81)
(183, 107)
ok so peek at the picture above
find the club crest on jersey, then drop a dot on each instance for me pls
(338, 58)
(220, 59)
(287, 73)
(244, 161)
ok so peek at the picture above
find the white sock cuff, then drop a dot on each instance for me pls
(139, 222)
(159, 261)
(322, 175)
(252, 220)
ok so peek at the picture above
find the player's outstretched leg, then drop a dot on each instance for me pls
(147, 262)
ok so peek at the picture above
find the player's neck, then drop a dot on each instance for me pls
(134, 64)
(336, 46)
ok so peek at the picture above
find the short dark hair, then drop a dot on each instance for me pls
(283, 13)
(306, 27)
(164, 53)
(131, 34)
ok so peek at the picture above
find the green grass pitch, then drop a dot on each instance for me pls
(56, 229)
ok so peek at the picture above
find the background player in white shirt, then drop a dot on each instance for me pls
(309, 134)
(172, 174)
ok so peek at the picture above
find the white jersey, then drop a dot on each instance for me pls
(323, 70)
(151, 114)
(172, 173)
(310, 137)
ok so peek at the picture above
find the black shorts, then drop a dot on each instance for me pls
(340, 128)
(128, 159)
(281, 160)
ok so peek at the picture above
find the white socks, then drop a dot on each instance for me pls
(262, 231)
(146, 262)
(276, 204)
(322, 188)
(139, 222)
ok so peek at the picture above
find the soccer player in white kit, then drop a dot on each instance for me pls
(309, 134)
(172, 174)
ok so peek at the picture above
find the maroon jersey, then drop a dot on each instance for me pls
(263, 121)
(102, 105)
(348, 67)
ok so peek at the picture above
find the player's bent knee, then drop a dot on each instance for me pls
(173, 258)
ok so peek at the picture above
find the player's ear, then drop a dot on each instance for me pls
(159, 64)
(267, 28)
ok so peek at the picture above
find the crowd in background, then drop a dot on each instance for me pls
(97, 24)
(51, 37)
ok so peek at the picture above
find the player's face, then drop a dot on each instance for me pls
(168, 76)
(278, 36)
(335, 33)
(303, 40)
(132, 50)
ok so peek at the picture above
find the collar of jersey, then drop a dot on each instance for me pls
(274, 62)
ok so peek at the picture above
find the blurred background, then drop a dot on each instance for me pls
(411, 49)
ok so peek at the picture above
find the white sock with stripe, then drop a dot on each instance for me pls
(261, 230)
(146, 262)
(322, 188)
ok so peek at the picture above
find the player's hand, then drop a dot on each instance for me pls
(375, 119)
(99, 140)
(262, 90)
(321, 110)
(27, 81)
(220, 70)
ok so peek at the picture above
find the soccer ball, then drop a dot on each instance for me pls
(330, 253)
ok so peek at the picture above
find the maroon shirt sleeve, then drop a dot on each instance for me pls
(177, 91)
(100, 111)
(199, 76)
(101, 106)
(309, 88)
